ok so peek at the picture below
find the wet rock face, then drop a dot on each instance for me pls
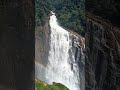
(102, 55)
(42, 38)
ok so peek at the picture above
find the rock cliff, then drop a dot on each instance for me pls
(42, 37)
(16, 44)
(102, 71)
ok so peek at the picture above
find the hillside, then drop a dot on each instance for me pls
(70, 13)
(40, 85)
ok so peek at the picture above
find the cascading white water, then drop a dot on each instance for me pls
(59, 68)
(63, 60)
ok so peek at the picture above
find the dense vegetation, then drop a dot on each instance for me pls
(54, 86)
(42, 9)
(108, 9)
(70, 13)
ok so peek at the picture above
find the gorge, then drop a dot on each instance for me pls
(102, 68)
(62, 60)
(59, 53)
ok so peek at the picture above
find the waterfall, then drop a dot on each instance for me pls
(65, 61)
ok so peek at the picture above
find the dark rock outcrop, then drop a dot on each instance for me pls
(17, 44)
(102, 71)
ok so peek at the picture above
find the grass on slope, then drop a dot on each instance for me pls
(54, 86)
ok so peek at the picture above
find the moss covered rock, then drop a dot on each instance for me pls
(39, 85)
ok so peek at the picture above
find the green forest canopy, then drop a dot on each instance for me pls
(70, 13)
